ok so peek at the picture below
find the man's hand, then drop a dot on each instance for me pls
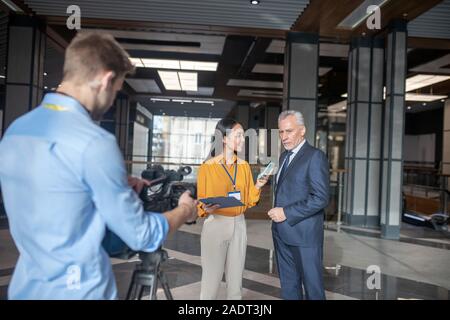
(277, 214)
(190, 204)
(137, 184)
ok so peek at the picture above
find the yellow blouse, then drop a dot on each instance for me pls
(213, 181)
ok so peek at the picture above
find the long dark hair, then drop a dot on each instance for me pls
(226, 124)
(223, 126)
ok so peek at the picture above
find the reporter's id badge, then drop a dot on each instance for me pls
(235, 194)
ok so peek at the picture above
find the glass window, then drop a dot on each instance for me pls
(182, 140)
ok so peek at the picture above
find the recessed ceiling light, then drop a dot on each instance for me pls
(170, 80)
(45, 73)
(423, 80)
(181, 101)
(188, 81)
(161, 63)
(204, 101)
(198, 65)
(424, 104)
(159, 99)
(175, 64)
(423, 97)
(137, 62)
(443, 100)
(409, 107)
(254, 2)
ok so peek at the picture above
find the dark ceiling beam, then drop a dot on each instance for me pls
(222, 95)
(323, 16)
(441, 88)
(172, 27)
(60, 43)
(428, 43)
(127, 89)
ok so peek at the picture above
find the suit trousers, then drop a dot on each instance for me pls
(299, 268)
(223, 248)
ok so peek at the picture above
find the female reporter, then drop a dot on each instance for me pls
(224, 233)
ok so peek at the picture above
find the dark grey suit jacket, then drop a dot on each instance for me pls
(303, 193)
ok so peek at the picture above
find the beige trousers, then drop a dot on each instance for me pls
(223, 246)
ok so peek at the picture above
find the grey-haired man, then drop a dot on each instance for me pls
(301, 195)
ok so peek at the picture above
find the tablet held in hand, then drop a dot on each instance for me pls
(224, 202)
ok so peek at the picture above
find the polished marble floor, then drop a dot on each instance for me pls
(415, 267)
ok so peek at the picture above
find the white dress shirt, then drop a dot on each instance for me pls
(294, 153)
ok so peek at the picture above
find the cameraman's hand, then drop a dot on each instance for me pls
(137, 184)
(185, 212)
(190, 203)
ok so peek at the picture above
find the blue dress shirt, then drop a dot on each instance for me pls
(64, 181)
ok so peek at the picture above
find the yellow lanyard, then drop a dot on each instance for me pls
(54, 107)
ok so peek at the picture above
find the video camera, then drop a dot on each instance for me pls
(161, 195)
(165, 188)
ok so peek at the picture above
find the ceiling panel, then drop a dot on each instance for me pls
(202, 91)
(437, 66)
(435, 23)
(254, 83)
(268, 68)
(144, 85)
(326, 49)
(169, 42)
(279, 69)
(220, 109)
(276, 46)
(260, 93)
(269, 14)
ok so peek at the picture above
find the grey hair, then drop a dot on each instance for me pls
(298, 115)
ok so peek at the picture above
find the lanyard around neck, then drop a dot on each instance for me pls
(69, 96)
(233, 181)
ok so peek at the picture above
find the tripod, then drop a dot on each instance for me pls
(147, 274)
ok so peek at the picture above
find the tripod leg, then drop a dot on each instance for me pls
(140, 290)
(154, 287)
(130, 293)
(165, 285)
(131, 288)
